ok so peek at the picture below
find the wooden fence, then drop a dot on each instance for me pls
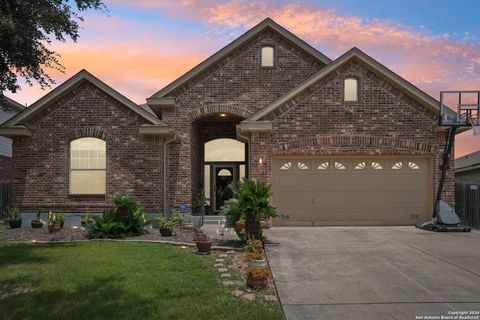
(467, 204)
(5, 194)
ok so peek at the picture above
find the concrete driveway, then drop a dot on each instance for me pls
(374, 272)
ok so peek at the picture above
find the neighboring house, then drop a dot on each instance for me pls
(343, 142)
(467, 169)
(8, 108)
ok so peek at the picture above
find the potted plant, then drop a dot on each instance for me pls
(203, 243)
(86, 220)
(254, 202)
(257, 244)
(198, 204)
(257, 277)
(240, 225)
(13, 217)
(61, 218)
(54, 222)
(168, 223)
(37, 223)
(256, 259)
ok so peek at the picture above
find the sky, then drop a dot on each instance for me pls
(140, 46)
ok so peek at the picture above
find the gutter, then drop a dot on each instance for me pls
(174, 137)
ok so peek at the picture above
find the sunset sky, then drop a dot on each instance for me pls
(140, 46)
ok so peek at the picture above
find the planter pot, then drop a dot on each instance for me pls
(240, 225)
(204, 246)
(15, 224)
(265, 223)
(257, 263)
(36, 224)
(54, 228)
(166, 232)
(257, 283)
(196, 212)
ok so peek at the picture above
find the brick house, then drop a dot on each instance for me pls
(342, 142)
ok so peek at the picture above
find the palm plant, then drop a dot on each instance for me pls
(254, 202)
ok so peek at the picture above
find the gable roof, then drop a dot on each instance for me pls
(71, 83)
(359, 56)
(267, 23)
(11, 104)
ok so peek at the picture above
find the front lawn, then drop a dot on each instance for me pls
(116, 280)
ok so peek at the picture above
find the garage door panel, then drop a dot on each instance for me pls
(353, 190)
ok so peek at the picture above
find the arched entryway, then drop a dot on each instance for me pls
(218, 159)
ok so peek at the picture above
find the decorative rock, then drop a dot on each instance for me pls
(230, 252)
(237, 293)
(228, 283)
(249, 296)
(219, 260)
(270, 298)
(218, 265)
(225, 275)
(222, 270)
(223, 255)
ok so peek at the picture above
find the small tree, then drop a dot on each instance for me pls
(254, 201)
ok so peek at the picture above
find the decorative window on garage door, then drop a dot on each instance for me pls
(413, 166)
(286, 166)
(323, 166)
(302, 166)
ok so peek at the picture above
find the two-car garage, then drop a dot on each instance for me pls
(395, 190)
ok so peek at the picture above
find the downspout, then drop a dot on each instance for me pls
(165, 171)
(249, 151)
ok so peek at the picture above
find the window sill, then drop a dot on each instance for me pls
(89, 196)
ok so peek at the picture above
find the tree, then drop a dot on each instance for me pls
(26, 29)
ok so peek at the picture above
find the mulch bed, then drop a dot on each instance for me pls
(70, 234)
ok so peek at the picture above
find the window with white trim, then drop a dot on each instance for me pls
(267, 56)
(350, 89)
(88, 166)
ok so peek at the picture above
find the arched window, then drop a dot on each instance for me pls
(224, 150)
(350, 89)
(88, 166)
(267, 57)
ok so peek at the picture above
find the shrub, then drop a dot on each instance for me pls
(106, 226)
(126, 220)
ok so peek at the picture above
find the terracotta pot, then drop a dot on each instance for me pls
(265, 223)
(257, 283)
(53, 228)
(204, 246)
(240, 225)
(14, 224)
(257, 263)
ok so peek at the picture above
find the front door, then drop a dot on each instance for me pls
(224, 177)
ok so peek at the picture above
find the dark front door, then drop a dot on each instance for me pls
(224, 182)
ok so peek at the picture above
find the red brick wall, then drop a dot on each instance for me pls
(238, 85)
(42, 162)
(5, 169)
(382, 122)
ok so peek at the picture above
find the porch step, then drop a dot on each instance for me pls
(211, 220)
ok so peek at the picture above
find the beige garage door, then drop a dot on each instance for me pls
(352, 191)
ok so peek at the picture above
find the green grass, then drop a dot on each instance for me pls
(115, 280)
